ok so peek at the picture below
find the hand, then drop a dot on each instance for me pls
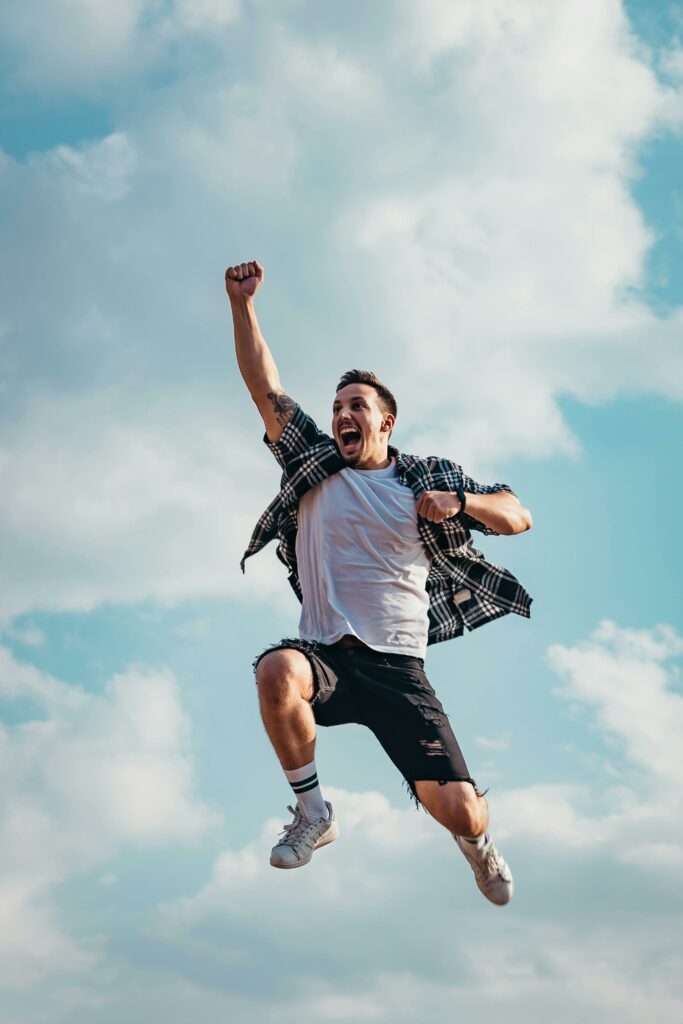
(438, 505)
(242, 280)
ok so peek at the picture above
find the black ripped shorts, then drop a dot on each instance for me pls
(391, 695)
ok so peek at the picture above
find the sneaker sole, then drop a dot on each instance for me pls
(329, 837)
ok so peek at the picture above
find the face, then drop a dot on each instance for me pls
(360, 427)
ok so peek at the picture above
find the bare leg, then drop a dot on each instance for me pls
(456, 805)
(285, 687)
(460, 809)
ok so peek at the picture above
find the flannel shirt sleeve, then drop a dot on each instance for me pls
(471, 486)
(300, 434)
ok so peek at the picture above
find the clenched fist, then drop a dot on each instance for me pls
(438, 505)
(242, 280)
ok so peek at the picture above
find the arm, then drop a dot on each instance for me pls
(501, 511)
(254, 358)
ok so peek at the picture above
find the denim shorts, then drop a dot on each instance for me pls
(391, 695)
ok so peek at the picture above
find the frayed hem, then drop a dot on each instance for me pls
(419, 806)
(295, 643)
(307, 647)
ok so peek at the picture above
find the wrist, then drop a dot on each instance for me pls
(243, 314)
(242, 303)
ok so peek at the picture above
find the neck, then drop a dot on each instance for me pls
(376, 462)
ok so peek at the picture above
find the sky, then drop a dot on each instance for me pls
(483, 203)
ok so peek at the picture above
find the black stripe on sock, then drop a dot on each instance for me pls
(305, 784)
(306, 788)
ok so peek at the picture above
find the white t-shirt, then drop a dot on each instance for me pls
(362, 565)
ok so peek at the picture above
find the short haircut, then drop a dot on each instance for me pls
(387, 402)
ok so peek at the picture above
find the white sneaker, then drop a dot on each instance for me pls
(492, 874)
(302, 836)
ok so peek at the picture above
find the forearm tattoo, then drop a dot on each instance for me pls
(284, 406)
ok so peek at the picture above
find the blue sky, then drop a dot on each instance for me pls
(482, 202)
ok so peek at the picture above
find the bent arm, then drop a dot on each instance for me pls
(254, 358)
(502, 512)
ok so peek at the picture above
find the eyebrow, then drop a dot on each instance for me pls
(356, 398)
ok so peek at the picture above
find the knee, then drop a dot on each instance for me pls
(456, 805)
(471, 814)
(281, 677)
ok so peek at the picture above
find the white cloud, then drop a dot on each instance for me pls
(479, 180)
(157, 498)
(83, 775)
(324, 77)
(70, 41)
(623, 676)
(102, 169)
(205, 15)
(533, 972)
(71, 45)
(552, 814)
(494, 743)
(393, 876)
(227, 138)
(391, 885)
(130, 508)
(357, 874)
(455, 193)
(624, 680)
(517, 255)
(672, 63)
(366, 931)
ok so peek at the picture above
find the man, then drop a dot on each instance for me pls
(378, 548)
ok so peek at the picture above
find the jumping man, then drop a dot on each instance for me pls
(379, 552)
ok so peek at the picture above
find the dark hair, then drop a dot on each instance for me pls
(387, 402)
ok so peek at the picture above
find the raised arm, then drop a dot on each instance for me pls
(254, 358)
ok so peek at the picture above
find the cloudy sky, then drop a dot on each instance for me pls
(482, 201)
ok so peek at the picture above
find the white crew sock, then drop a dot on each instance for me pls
(304, 782)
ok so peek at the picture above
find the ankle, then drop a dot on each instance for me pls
(304, 783)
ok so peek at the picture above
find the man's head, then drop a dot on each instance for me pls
(363, 416)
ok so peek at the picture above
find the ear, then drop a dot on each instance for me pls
(387, 423)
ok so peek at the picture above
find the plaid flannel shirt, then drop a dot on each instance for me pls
(464, 589)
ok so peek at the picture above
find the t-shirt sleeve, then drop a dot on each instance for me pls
(301, 433)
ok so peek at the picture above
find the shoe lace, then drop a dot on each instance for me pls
(493, 864)
(297, 833)
(493, 860)
(487, 863)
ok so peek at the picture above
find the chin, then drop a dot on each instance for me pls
(350, 460)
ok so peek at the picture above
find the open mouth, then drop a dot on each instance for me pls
(349, 437)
